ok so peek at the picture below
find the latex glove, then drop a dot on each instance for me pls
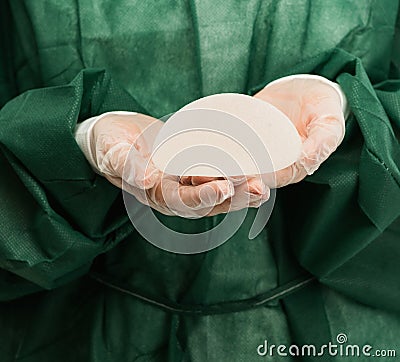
(316, 106)
(250, 191)
(107, 140)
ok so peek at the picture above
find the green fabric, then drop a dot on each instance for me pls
(62, 226)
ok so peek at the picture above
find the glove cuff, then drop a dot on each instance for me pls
(84, 137)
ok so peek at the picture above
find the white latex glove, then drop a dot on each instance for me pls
(250, 191)
(316, 106)
(106, 142)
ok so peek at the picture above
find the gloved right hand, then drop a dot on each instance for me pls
(108, 140)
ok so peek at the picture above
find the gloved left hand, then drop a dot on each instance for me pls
(316, 106)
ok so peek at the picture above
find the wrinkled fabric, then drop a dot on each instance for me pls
(63, 62)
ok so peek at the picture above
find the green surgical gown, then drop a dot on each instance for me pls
(78, 282)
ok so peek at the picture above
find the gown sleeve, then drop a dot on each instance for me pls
(342, 224)
(56, 213)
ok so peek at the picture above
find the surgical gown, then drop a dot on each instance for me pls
(79, 283)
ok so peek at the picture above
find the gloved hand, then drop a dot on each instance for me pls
(316, 106)
(107, 140)
(250, 191)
